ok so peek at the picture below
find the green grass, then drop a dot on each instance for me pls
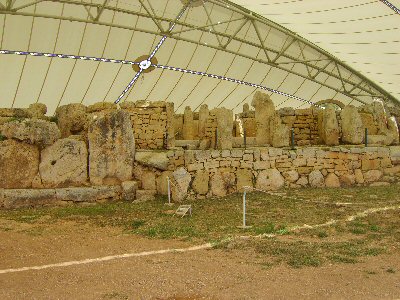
(218, 219)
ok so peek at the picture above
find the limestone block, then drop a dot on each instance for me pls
(111, 147)
(369, 123)
(316, 179)
(71, 119)
(37, 111)
(330, 126)
(203, 116)
(286, 111)
(148, 179)
(372, 176)
(392, 132)
(180, 184)
(19, 164)
(64, 164)
(200, 182)
(162, 183)
(145, 195)
(158, 160)
(89, 194)
(188, 130)
(32, 131)
(291, 176)
(378, 139)
(224, 127)
(332, 181)
(14, 112)
(270, 180)
(348, 180)
(101, 106)
(244, 177)
(280, 132)
(264, 110)
(218, 186)
(352, 126)
(359, 177)
(129, 189)
(303, 181)
(380, 116)
(27, 198)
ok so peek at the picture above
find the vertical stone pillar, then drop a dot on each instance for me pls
(224, 127)
(188, 123)
(203, 116)
(280, 133)
(170, 130)
(265, 110)
(246, 108)
(330, 126)
(352, 125)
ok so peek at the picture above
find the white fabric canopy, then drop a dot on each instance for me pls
(215, 36)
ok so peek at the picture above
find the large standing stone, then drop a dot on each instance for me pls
(64, 163)
(264, 110)
(188, 130)
(352, 125)
(392, 132)
(225, 127)
(200, 182)
(71, 118)
(279, 132)
(203, 116)
(180, 184)
(330, 126)
(218, 185)
(380, 116)
(111, 148)
(129, 189)
(19, 164)
(158, 160)
(32, 131)
(244, 177)
(162, 183)
(316, 179)
(270, 180)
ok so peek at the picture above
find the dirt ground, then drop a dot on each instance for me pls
(203, 274)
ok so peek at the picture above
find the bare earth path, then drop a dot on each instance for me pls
(203, 274)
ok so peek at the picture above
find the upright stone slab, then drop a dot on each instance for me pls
(352, 125)
(19, 164)
(330, 126)
(71, 119)
(280, 133)
(188, 124)
(111, 148)
(380, 116)
(393, 131)
(180, 184)
(64, 164)
(225, 127)
(203, 116)
(264, 110)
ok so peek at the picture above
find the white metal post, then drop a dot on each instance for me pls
(169, 191)
(244, 209)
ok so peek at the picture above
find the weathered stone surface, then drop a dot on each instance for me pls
(14, 112)
(32, 131)
(348, 180)
(378, 139)
(270, 180)
(244, 177)
(316, 179)
(330, 126)
(71, 119)
(286, 111)
(352, 126)
(265, 109)
(148, 179)
(188, 130)
(359, 177)
(145, 195)
(158, 160)
(64, 164)
(162, 183)
(380, 116)
(303, 181)
(392, 132)
(224, 126)
(369, 123)
(291, 176)
(203, 116)
(101, 106)
(280, 132)
(24, 198)
(218, 185)
(180, 184)
(111, 148)
(332, 181)
(372, 176)
(200, 182)
(129, 189)
(19, 164)
(37, 110)
(89, 194)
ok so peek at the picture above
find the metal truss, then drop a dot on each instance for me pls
(356, 86)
